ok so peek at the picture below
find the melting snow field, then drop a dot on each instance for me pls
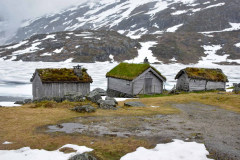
(9, 104)
(15, 76)
(27, 153)
(176, 150)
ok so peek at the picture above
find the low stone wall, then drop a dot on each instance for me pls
(113, 93)
(236, 88)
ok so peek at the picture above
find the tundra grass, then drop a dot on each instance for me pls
(224, 100)
(22, 125)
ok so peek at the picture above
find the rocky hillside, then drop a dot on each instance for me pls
(131, 17)
(91, 46)
(190, 47)
(183, 31)
(76, 46)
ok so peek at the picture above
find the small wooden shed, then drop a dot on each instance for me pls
(200, 79)
(51, 82)
(133, 79)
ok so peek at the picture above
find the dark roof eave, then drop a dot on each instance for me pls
(64, 82)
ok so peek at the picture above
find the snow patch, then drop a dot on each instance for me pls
(145, 52)
(174, 28)
(215, 5)
(173, 59)
(6, 142)
(31, 49)
(237, 45)
(9, 104)
(111, 58)
(179, 12)
(196, 10)
(68, 60)
(51, 36)
(207, 2)
(54, 20)
(154, 106)
(212, 57)
(83, 34)
(17, 45)
(46, 54)
(58, 50)
(176, 150)
(234, 27)
(40, 154)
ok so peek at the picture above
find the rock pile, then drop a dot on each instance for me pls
(83, 109)
(134, 104)
(236, 88)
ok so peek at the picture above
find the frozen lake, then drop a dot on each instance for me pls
(15, 76)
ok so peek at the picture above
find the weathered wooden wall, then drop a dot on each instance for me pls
(215, 85)
(186, 84)
(139, 84)
(40, 90)
(61, 89)
(183, 83)
(121, 85)
(197, 85)
(37, 87)
(136, 86)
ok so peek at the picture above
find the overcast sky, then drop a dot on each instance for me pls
(14, 11)
(31, 8)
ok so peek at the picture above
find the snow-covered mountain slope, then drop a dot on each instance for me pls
(75, 46)
(131, 17)
(93, 46)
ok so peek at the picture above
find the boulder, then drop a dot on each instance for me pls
(99, 101)
(74, 97)
(108, 104)
(83, 156)
(101, 91)
(19, 102)
(83, 109)
(113, 93)
(93, 96)
(236, 88)
(112, 99)
(134, 104)
(27, 101)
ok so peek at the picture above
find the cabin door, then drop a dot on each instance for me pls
(148, 85)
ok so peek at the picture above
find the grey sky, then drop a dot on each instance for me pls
(12, 12)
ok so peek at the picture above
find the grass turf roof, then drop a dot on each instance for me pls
(130, 71)
(204, 73)
(63, 75)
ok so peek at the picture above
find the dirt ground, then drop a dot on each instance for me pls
(217, 128)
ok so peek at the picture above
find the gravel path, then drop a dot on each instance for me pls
(217, 128)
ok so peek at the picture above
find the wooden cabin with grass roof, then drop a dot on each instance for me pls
(59, 82)
(127, 80)
(200, 79)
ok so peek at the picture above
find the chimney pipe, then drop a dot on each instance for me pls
(78, 70)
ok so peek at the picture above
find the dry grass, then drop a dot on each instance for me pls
(23, 125)
(223, 100)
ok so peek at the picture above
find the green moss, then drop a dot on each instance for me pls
(129, 71)
(63, 75)
(204, 73)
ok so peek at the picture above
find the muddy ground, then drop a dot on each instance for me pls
(217, 128)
